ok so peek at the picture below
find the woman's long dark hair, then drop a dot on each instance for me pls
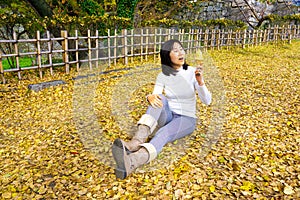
(166, 63)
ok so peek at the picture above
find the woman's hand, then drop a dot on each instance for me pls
(199, 75)
(155, 100)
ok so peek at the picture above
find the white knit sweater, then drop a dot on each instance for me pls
(180, 90)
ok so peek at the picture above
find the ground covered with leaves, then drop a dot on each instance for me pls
(256, 156)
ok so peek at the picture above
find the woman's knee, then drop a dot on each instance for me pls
(163, 98)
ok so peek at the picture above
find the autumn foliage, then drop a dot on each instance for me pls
(256, 156)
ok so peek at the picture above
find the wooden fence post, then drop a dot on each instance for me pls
(244, 39)
(2, 70)
(108, 47)
(115, 48)
(17, 54)
(181, 35)
(188, 43)
(293, 31)
(282, 33)
(90, 50)
(198, 39)
(276, 33)
(260, 37)
(154, 46)
(252, 34)
(39, 57)
(77, 53)
(206, 39)
(290, 34)
(147, 42)
(285, 33)
(195, 39)
(64, 34)
(131, 44)
(239, 38)
(256, 37)
(97, 49)
(264, 33)
(223, 37)
(125, 49)
(169, 34)
(231, 39)
(213, 39)
(236, 37)
(50, 52)
(141, 44)
(160, 36)
(267, 36)
(218, 39)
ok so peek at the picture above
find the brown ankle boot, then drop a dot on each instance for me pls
(146, 126)
(127, 163)
(140, 137)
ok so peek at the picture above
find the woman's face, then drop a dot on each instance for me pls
(177, 55)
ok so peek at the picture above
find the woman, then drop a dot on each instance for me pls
(173, 114)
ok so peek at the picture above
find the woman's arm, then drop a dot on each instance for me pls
(154, 99)
(203, 93)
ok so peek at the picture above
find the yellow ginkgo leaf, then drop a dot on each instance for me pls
(288, 190)
(212, 188)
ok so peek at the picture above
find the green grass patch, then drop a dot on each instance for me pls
(25, 62)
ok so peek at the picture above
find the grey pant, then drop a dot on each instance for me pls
(172, 126)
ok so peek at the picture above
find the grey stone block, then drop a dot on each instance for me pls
(39, 86)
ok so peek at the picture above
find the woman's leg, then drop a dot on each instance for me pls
(161, 115)
(146, 125)
(179, 127)
(128, 162)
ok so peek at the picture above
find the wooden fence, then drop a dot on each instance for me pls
(46, 52)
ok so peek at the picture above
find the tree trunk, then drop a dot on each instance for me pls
(43, 9)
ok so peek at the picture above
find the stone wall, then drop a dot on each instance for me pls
(236, 10)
